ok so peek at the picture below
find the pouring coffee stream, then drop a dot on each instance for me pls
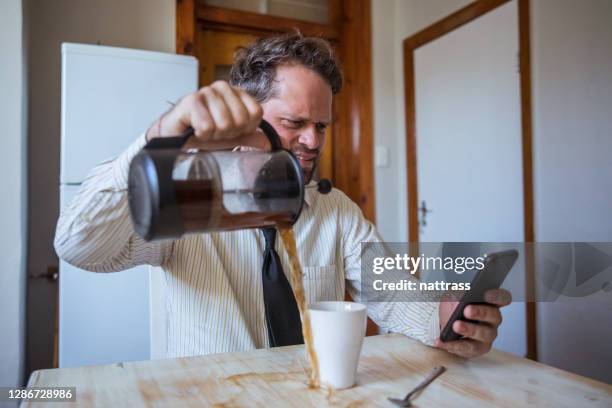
(172, 192)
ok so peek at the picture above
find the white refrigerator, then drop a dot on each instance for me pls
(109, 97)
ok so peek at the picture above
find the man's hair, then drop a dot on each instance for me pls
(254, 68)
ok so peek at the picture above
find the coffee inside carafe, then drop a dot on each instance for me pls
(223, 191)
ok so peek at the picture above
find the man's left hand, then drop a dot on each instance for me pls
(477, 338)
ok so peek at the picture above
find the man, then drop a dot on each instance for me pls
(216, 299)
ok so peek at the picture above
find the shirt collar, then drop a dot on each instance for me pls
(309, 193)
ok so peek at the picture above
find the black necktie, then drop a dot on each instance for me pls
(282, 314)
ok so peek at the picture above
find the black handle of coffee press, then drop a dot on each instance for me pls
(170, 142)
(176, 142)
(271, 134)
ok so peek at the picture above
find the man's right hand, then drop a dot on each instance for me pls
(217, 113)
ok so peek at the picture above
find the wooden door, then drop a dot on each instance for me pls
(216, 53)
(466, 92)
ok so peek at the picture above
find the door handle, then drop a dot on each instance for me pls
(51, 275)
(423, 211)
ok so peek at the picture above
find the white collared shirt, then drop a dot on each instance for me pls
(214, 291)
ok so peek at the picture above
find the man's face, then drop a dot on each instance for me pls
(300, 112)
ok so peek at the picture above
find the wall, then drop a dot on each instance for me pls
(392, 21)
(571, 66)
(388, 210)
(572, 106)
(145, 24)
(13, 203)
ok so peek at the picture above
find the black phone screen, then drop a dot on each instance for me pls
(496, 267)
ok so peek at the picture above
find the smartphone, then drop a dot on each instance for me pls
(496, 267)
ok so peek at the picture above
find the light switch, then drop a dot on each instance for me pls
(381, 158)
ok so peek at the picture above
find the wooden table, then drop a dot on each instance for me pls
(390, 365)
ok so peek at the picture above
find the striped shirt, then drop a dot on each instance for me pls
(213, 281)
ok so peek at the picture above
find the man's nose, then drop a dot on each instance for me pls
(310, 138)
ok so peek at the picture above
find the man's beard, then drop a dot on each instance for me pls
(309, 171)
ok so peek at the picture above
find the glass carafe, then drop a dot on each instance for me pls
(173, 192)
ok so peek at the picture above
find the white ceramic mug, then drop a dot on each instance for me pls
(338, 329)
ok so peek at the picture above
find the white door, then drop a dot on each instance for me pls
(469, 142)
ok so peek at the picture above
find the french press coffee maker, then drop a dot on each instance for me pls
(172, 192)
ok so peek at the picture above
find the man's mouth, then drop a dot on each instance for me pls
(306, 159)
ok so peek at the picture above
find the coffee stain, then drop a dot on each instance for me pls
(150, 391)
(196, 387)
(227, 404)
(240, 379)
(247, 380)
(330, 395)
(188, 389)
(357, 404)
(190, 383)
(335, 398)
(85, 398)
(231, 402)
(341, 398)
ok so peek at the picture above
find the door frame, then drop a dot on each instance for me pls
(429, 34)
(349, 29)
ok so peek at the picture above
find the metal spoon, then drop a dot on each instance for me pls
(406, 402)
